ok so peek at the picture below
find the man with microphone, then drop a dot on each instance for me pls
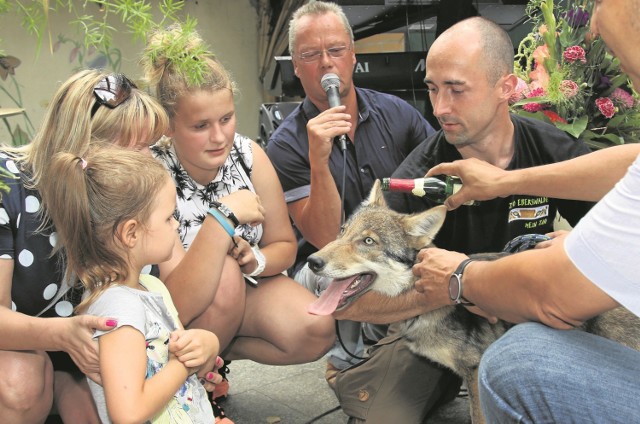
(327, 154)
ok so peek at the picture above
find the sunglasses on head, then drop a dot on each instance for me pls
(111, 91)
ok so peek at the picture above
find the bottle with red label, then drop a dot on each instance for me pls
(433, 188)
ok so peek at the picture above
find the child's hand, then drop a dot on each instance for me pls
(243, 253)
(197, 349)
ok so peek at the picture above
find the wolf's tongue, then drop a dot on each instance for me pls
(330, 298)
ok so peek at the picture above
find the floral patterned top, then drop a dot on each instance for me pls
(153, 314)
(194, 199)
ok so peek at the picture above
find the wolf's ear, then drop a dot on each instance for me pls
(425, 225)
(376, 198)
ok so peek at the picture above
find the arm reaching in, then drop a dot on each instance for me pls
(588, 177)
(556, 294)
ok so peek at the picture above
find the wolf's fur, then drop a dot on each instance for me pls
(376, 251)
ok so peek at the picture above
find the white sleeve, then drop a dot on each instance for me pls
(605, 244)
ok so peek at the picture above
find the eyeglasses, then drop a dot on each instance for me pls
(112, 91)
(314, 56)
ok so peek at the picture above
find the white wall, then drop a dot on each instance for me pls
(229, 27)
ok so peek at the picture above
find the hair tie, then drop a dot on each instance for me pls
(84, 163)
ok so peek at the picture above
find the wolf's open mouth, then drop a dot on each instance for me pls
(340, 293)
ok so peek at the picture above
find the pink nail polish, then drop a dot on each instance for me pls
(210, 376)
(112, 322)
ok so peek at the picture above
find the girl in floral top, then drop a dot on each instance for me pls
(211, 165)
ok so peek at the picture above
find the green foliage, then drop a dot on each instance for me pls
(96, 19)
(179, 51)
(92, 17)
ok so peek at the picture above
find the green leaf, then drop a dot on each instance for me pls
(575, 128)
(19, 137)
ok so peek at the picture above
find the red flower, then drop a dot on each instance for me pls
(574, 53)
(554, 117)
(534, 107)
(606, 106)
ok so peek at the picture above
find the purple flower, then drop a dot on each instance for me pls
(576, 17)
(605, 82)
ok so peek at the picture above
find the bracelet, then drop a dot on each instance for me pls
(226, 211)
(262, 261)
(222, 220)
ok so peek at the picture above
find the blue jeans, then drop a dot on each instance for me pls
(535, 374)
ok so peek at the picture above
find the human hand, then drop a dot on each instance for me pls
(323, 129)
(243, 253)
(78, 342)
(209, 378)
(433, 268)
(479, 180)
(245, 205)
(556, 237)
(196, 349)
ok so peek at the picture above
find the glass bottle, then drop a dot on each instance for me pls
(433, 188)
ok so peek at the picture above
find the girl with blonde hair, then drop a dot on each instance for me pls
(265, 320)
(112, 220)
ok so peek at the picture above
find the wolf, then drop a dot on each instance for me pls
(376, 250)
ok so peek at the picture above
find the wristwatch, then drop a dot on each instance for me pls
(224, 210)
(455, 284)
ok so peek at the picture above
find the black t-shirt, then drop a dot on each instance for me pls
(489, 226)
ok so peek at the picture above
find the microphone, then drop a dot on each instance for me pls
(331, 85)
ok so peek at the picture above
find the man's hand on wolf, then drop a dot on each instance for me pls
(433, 269)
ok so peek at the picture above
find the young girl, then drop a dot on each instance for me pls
(210, 163)
(113, 211)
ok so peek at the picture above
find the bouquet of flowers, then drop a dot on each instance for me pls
(568, 78)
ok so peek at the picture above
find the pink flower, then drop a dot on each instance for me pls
(606, 106)
(622, 98)
(574, 53)
(569, 88)
(518, 92)
(534, 107)
(539, 76)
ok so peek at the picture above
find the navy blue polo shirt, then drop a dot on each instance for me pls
(388, 130)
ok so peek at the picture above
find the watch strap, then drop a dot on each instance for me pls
(226, 211)
(457, 274)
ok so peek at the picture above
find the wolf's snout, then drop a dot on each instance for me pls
(315, 263)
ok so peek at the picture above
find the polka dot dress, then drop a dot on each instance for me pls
(36, 276)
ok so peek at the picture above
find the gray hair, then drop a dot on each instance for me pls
(316, 8)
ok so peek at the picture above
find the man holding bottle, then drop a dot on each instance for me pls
(469, 87)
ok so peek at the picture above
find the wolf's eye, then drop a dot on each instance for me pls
(369, 241)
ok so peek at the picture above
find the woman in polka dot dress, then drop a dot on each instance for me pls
(38, 354)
